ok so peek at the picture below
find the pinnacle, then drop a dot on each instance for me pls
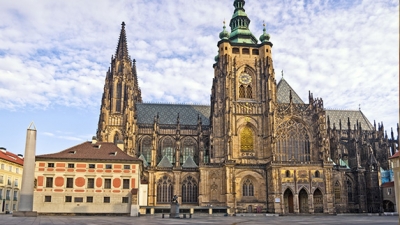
(122, 48)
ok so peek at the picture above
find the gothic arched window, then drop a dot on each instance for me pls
(292, 142)
(349, 191)
(248, 188)
(119, 96)
(336, 190)
(188, 149)
(146, 148)
(317, 174)
(168, 149)
(189, 190)
(164, 189)
(246, 139)
(249, 92)
(117, 138)
(242, 93)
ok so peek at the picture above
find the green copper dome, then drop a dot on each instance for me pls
(264, 37)
(224, 35)
(239, 24)
(216, 58)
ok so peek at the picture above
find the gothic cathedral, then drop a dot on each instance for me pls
(257, 148)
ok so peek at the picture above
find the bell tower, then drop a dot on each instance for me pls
(121, 92)
(243, 93)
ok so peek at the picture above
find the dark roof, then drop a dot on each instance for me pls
(189, 163)
(89, 151)
(168, 113)
(165, 163)
(283, 93)
(342, 115)
(388, 184)
(11, 157)
(283, 90)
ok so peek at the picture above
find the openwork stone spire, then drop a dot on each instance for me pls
(122, 48)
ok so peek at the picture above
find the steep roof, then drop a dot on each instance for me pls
(11, 157)
(165, 163)
(283, 92)
(89, 151)
(396, 155)
(354, 115)
(189, 163)
(168, 113)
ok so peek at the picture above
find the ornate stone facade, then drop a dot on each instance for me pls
(257, 148)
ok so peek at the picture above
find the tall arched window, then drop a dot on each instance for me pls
(249, 92)
(336, 189)
(248, 188)
(189, 190)
(168, 149)
(119, 96)
(349, 191)
(241, 92)
(292, 142)
(188, 149)
(146, 148)
(246, 139)
(164, 189)
(117, 138)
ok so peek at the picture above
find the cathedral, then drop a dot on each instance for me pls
(258, 147)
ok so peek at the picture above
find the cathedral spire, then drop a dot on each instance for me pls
(122, 48)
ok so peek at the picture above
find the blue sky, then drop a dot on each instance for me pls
(54, 56)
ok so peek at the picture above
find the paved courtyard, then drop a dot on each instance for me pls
(220, 220)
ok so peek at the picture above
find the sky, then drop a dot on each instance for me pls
(54, 56)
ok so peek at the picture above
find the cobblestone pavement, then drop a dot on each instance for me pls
(201, 220)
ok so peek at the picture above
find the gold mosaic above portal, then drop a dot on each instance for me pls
(246, 139)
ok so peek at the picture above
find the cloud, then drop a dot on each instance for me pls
(56, 53)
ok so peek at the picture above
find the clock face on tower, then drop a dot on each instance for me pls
(245, 78)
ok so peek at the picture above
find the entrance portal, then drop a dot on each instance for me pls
(303, 201)
(288, 200)
(318, 202)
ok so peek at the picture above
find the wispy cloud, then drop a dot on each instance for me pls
(56, 53)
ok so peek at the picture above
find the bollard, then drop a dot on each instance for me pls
(162, 216)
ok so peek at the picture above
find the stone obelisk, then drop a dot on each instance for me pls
(25, 207)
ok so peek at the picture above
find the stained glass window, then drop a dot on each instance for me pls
(248, 188)
(188, 149)
(292, 142)
(164, 189)
(146, 148)
(168, 149)
(189, 190)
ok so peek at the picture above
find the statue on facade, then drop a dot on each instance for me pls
(175, 199)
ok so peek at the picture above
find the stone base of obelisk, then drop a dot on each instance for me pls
(24, 214)
(174, 212)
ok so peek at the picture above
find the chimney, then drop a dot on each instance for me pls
(20, 156)
(3, 149)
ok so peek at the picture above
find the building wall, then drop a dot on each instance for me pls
(10, 184)
(53, 197)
